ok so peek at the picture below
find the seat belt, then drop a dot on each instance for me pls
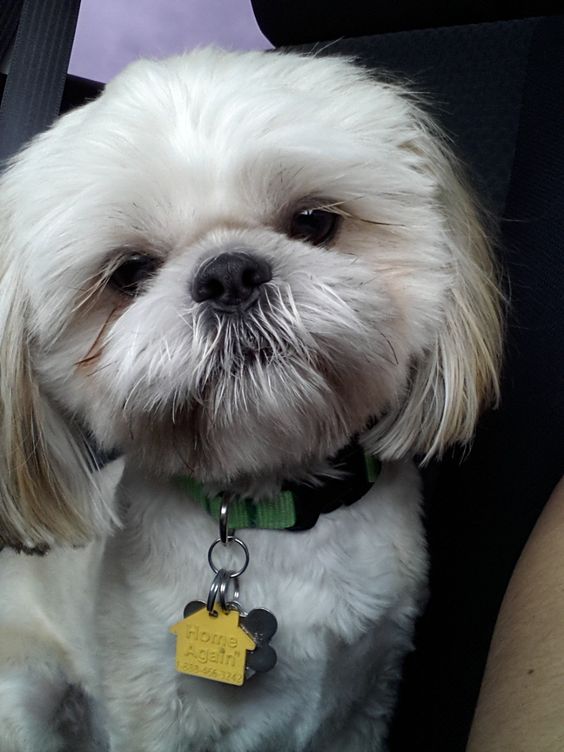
(10, 11)
(38, 68)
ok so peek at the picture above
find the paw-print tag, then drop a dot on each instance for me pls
(224, 645)
(261, 625)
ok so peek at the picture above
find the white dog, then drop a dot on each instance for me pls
(226, 269)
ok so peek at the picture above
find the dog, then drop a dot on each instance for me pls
(245, 275)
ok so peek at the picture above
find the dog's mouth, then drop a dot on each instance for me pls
(263, 335)
(262, 355)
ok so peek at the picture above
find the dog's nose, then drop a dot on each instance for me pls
(231, 281)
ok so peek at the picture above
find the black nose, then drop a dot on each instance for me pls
(231, 280)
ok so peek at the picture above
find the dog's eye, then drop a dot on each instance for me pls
(317, 226)
(132, 273)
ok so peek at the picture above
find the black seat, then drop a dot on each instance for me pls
(496, 87)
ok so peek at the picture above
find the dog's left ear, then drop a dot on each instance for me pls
(458, 375)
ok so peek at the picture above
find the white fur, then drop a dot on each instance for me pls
(397, 318)
(345, 595)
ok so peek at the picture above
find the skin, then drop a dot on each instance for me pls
(522, 695)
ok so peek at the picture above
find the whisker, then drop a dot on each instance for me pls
(90, 355)
(395, 361)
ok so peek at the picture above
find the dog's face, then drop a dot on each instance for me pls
(228, 264)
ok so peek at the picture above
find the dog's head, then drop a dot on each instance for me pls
(228, 264)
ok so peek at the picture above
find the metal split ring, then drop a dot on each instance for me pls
(230, 539)
(219, 587)
(224, 532)
(223, 590)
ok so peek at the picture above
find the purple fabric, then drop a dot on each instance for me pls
(112, 33)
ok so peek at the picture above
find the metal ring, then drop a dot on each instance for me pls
(224, 532)
(239, 542)
(224, 584)
(214, 589)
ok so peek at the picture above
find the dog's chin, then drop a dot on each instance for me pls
(270, 419)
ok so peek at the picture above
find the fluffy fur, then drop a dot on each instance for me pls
(395, 319)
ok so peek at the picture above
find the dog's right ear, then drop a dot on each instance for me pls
(50, 489)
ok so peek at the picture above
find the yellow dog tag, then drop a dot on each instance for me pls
(213, 646)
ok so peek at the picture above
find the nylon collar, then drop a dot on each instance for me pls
(298, 505)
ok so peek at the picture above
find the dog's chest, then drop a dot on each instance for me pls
(338, 591)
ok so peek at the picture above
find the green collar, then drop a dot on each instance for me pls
(298, 506)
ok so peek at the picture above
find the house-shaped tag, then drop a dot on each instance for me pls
(213, 646)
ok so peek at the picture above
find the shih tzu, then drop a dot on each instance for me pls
(260, 281)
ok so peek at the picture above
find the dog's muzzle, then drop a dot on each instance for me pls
(231, 281)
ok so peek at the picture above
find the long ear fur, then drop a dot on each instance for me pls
(458, 375)
(50, 491)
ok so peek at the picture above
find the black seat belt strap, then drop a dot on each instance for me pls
(36, 79)
(10, 11)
